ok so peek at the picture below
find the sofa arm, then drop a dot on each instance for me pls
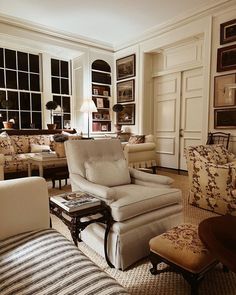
(135, 148)
(24, 206)
(105, 193)
(2, 160)
(146, 178)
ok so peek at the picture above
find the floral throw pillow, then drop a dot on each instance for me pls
(135, 139)
(6, 146)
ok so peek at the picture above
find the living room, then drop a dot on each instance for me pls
(166, 76)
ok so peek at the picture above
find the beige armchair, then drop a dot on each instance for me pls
(142, 155)
(212, 178)
(142, 205)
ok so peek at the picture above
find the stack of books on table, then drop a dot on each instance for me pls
(72, 202)
(44, 155)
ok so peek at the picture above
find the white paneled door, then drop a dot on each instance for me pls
(178, 115)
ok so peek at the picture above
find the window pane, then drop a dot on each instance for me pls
(34, 63)
(64, 86)
(36, 101)
(55, 85)
(34, 82)
(13, 100)
(23, 81)
(24, 101)
(11, 79)
(67, 117)
(66, 104)
(25, 119)
(22, 61)
(1, 58)
(3, 118)
(57, 99)
(15, 116)
(37, 120)
(2, 82)
(10, 59)
(55, 67)
(57, 120)
(2, 97)
(64, 69)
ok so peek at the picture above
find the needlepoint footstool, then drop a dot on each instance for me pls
(181, 249)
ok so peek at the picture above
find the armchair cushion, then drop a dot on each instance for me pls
(107, 173)
(135, 139)
(133, 200)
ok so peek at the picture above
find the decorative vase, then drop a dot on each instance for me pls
(60, 149)
(52, 126)
(7, 125)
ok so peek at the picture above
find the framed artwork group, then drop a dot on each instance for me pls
(126, 69)
(225, 85)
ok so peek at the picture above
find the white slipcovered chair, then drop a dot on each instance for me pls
(142, 155)
(142, 205)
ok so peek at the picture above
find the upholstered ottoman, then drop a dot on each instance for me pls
(181, 248)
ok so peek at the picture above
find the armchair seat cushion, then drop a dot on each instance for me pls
(133, 200)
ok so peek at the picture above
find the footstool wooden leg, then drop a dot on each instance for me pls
(154, 261)
(59, 183)
(53, 183)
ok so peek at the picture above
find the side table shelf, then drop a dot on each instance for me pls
(75, 225)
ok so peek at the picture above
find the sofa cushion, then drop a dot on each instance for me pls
(135, 139)
(38, 148)
(20, 143)
(133, 200)
(107, 173)
(6, 146)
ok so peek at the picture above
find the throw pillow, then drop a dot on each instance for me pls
(108, 173)
(135, 139)
(6, 146)
(38, 148)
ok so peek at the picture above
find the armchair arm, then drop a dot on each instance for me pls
(101, 191)
(2, 160)
(24, 206)
(143, 178)
(134, 148)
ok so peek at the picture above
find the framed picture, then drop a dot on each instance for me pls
(224, 94)
(106, 117)
(125, 91)
(104, 127)
(228, 32)
(225, 118)
(97, 116)
(105, 93)
(100, 103)
(125, 67)
(95, 91)
(226, 58)
(127, 116)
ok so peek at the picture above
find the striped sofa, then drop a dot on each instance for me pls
(35, 259)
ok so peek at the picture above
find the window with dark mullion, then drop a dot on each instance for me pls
(20, 97)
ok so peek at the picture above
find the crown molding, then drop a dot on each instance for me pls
(174, 23)
(52, 32)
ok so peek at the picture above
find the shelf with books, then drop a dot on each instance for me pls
(101, 94)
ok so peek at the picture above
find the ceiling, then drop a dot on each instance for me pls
(108, 21)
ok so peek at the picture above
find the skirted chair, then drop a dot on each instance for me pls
(212, 178)
(142, 205)
(140, 152)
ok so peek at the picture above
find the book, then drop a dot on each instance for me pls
(72, 202)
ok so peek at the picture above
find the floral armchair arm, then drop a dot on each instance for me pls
(2, 166)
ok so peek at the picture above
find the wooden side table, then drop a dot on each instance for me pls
(75, 224)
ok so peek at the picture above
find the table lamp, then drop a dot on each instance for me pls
(89, 107)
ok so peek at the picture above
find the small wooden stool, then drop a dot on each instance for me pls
(181, 248)
(59, 176)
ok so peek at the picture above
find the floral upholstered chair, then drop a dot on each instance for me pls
(212, 178)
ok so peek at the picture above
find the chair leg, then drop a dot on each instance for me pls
(59, 183)
(154, 169)
(154, 261)
(53, 183)
(66, 181)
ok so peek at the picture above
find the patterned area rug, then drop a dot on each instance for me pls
(138, 279)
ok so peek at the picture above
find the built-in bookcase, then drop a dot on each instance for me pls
(101, 93)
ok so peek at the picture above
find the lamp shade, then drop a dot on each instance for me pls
(88, 106)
